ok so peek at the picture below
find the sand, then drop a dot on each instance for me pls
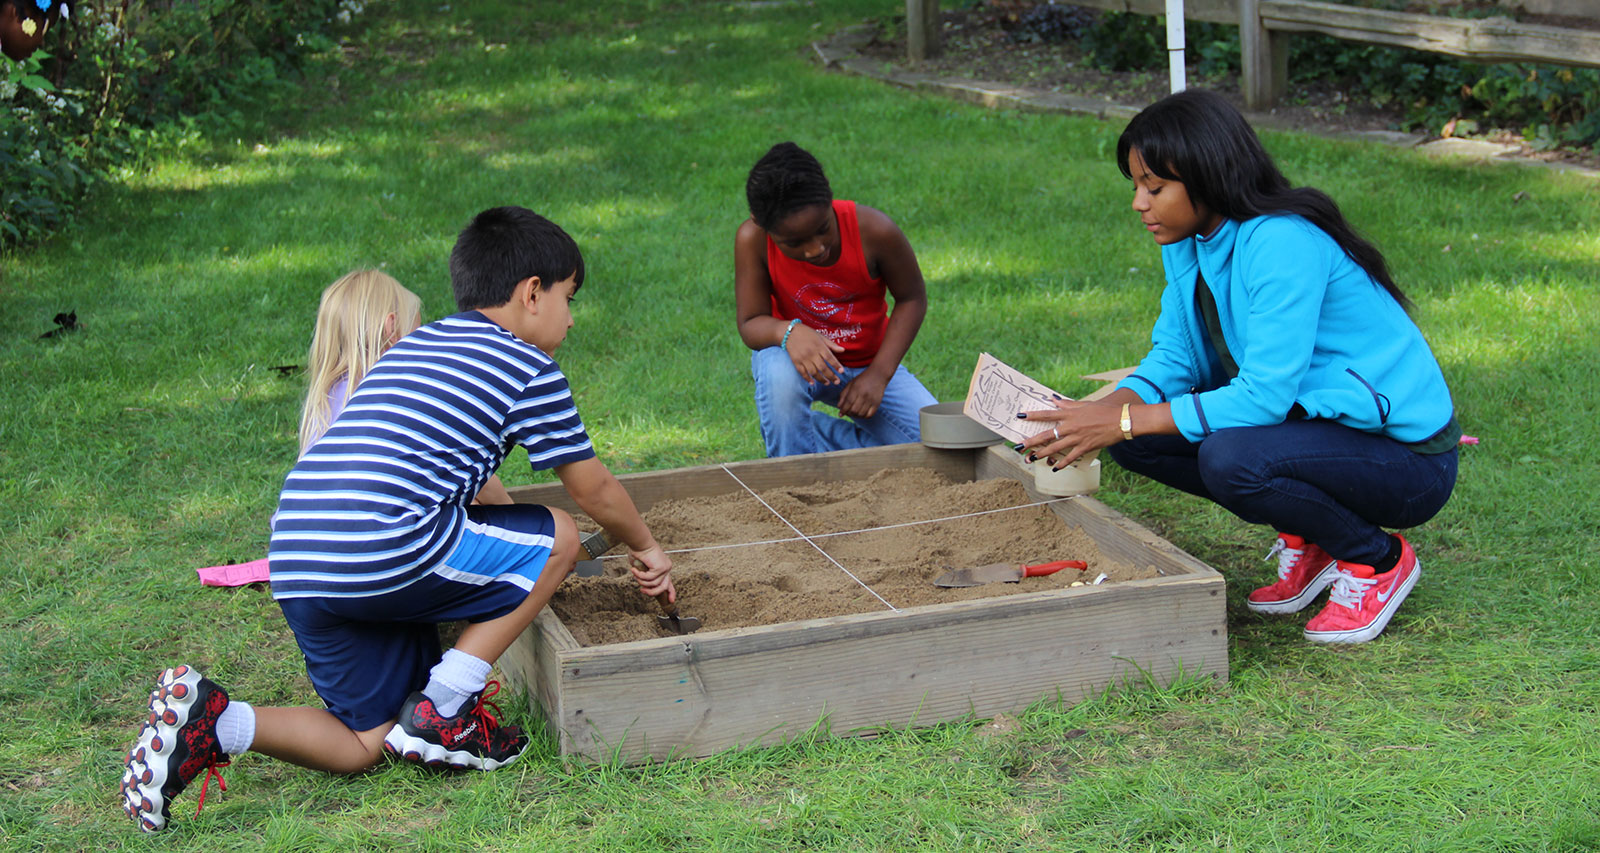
(766, 584)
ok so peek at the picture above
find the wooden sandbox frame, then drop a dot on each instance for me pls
(715, 689)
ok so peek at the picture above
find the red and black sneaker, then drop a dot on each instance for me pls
(472, 739)
(178, 743)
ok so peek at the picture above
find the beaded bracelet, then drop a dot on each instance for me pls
(785, 344)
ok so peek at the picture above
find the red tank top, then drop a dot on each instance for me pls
(842, 302)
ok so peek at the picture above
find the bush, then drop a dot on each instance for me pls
(128, 75)
(43, 172)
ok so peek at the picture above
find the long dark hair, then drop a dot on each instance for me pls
(1197, 137)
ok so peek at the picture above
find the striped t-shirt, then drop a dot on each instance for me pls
(381, 498)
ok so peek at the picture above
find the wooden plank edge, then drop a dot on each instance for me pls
(1479, 39)
(585, 740)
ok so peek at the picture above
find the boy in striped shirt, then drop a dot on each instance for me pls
(376, 539)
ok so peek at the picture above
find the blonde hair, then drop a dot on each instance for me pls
(349, 337)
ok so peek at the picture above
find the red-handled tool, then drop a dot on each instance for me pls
(1005, 573)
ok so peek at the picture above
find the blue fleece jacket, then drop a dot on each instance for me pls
(1304, 323)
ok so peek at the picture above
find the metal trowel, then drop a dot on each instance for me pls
(672, 621)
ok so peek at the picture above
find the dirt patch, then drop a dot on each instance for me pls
(982, 42)
(776, 582)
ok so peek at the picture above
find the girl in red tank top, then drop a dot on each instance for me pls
(841, 301)
(813, 278)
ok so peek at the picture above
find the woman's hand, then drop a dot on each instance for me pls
(652, 568)
(814, 355)
(1072, 430)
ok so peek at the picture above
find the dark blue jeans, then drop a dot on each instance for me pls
(1335, 486)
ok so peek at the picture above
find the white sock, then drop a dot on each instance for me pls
(454, 679)
(236, 728)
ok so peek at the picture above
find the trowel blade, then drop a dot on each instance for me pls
(993, 573)
(679, 624)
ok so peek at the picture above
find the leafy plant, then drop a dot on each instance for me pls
(129, 74)
(1125, 41)
(1052, 23)
(1122, 41)
(42, 171)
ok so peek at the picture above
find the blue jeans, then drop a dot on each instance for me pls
(789, 426)
(1333, 485)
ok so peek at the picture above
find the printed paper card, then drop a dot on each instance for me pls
(997, 392)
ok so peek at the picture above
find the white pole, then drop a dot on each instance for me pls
(1175, 45)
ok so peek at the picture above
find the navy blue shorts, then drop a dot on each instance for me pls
(366, 656)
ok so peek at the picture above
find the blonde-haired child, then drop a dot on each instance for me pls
(362, 314)
(359, 317)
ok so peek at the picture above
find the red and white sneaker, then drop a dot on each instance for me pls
(1304, 571)
(178, 743)
(1362, 602)
(472, 739)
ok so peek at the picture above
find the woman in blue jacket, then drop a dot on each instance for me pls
(1285, 380)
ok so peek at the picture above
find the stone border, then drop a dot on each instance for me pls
(842, 52)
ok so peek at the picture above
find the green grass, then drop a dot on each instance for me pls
(155, 442)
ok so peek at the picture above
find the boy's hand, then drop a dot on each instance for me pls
(860, 398)
(652, 568)
(813, 355)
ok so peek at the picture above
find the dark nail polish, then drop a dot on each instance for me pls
(1058, 467)
(1017, 447)
(1033, 457)
(1022, 415)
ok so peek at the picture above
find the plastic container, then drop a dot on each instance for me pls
(1079, 478)
(944, 426)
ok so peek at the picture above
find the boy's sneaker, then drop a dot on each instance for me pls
(178, 743)
(1362, 602)
(472, 739)
(1304, 571)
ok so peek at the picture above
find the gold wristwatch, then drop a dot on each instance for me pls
(1126, 423)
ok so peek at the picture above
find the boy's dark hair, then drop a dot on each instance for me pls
(1197, 137)
(504, 245)
(785, 179)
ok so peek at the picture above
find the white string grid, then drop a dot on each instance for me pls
(801, 537)
(809, 542)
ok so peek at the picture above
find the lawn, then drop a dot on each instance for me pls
(155, 441)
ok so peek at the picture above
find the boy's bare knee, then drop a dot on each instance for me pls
(365, 763)
(564, 551)
(369, 753)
